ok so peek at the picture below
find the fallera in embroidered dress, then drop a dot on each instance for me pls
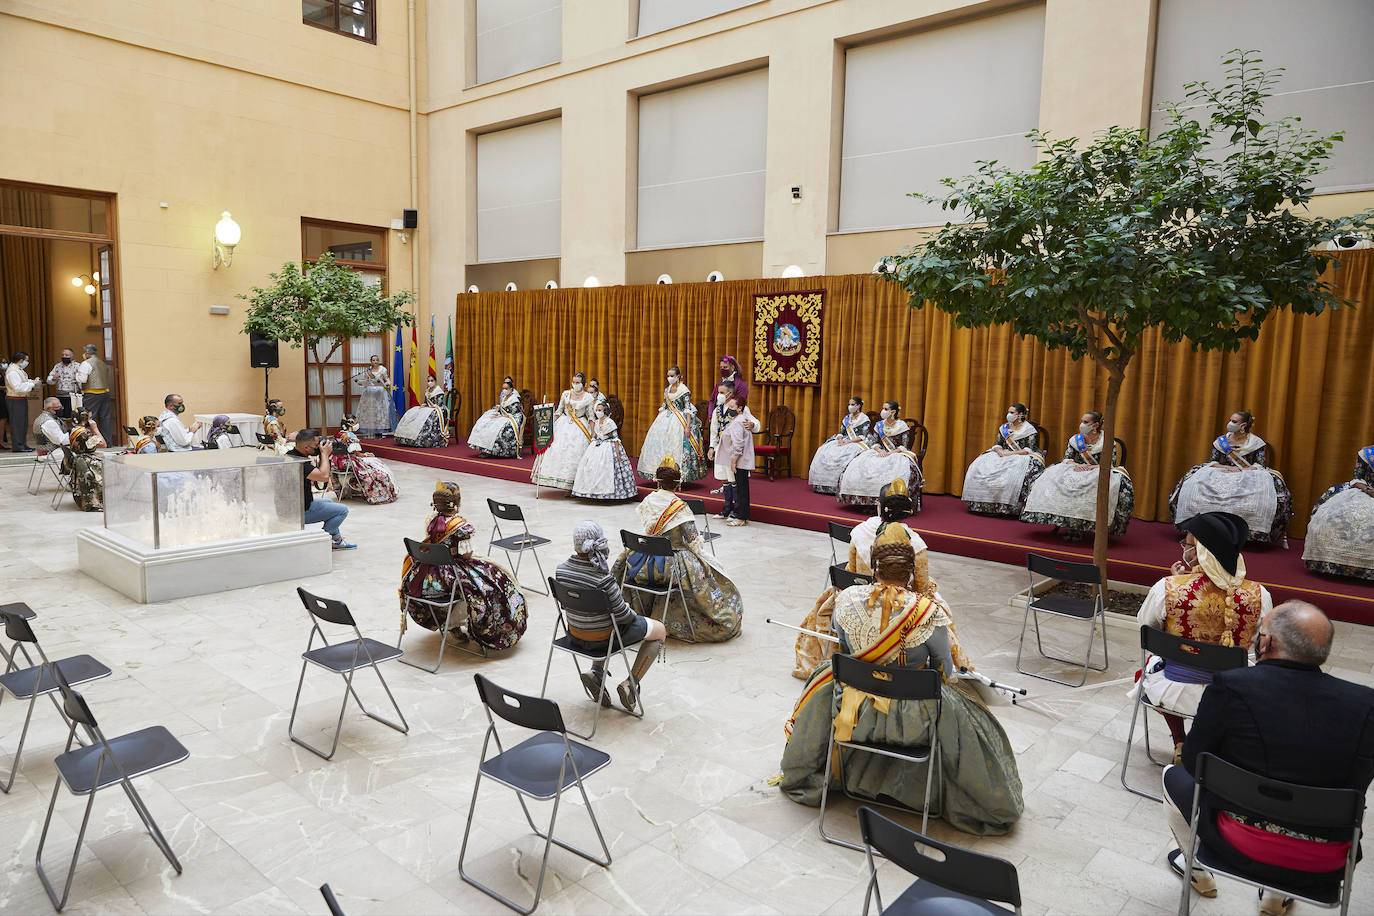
(865, 476)
(1340, 533)
(498, 432)
(999, 484)
(676, 432)
(88, 481)
(835, 453)
(710, 597)
(373, 478)
(1067, 498)
(376, 411)
(422, 427)
(557, 465)
(605, 471)
(1257, 494)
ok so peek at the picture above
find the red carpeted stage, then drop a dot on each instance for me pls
(1141, 556)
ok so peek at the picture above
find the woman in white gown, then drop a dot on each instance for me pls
(376, 411)
(556, 466)
(498, 432)
(999, 480)
(887, 458)
(1236, 479)
(836, 452)
(1065, 496)
(425, 426)
(676, 431)
(1340, 534)
(605, 471)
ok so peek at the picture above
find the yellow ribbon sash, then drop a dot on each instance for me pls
(686, 426)
(665, 516)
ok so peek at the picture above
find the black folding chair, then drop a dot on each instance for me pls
(24, 611)
(103, 762)
(837, 532)
(328, 894)
(895, 683)
(516, 543)
(652, 548)
(949, 879)
(232, 429)
(592, 602)
(1092, 610)
(1206, 657)
(36, 679)
(841, 578)
(1233, 788)
(343, 659)
(436, 555)
(698, 507)
(266, 442)
(543, 766)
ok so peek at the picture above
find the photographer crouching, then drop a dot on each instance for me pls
(316, 469)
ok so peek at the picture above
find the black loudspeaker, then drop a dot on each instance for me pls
(411, 218)
(262, 352)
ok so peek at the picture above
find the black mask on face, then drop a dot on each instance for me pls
(66, 360)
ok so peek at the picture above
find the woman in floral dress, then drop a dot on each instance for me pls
(999, 480)
(675, 431)
(605, 471)
(1340, 534)
(373, 479)
(835, 453)
(1237, 479)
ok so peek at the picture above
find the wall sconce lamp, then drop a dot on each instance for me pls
(87, 281)
(226, 236)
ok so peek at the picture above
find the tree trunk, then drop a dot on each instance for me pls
(1115, 376)
(319, 381)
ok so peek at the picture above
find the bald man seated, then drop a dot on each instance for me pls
(1285, 719)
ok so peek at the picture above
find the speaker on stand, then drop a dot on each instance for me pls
(262, 354)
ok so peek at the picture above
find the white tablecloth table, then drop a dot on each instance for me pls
(249, 426)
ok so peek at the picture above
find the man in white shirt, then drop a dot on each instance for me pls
(96, 378)
(17, 388)
(46, 423)
(174, 433)
(62, 376)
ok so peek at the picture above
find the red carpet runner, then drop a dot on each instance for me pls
(1142, 555)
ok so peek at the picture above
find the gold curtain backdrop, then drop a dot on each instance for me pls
(1308, 380)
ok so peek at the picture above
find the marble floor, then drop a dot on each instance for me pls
(686, 805)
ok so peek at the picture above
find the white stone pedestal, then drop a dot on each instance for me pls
(147, 574)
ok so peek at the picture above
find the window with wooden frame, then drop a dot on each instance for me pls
(354, 18)
(362, 248)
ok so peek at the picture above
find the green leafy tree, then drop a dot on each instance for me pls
(1198, 232)
(323, 305)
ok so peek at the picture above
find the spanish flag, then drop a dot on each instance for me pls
(415, 390)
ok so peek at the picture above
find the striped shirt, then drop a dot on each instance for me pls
(575, 572)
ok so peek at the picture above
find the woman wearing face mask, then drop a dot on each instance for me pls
(556, 466)
(1235, 479)
(675, 432)
(4, 412)
(1340, 534)
(604, 471)
(499, 432)
(1065, 496)
(887, 458)
(17, 388)
(371, 478)
(835, 453)
(376, 411)
(274, 425)
(425, 425)
(999, 480)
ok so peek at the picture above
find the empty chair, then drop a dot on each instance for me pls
(343, 659)
(950, 881)
(698, 507)
(441, 609)
(776, 450)
(591, 601)
(836, 532)
(656, 550)
(516, 543)
(1090, 610)
(543, 767)
(36, 679)
(24, 611)
(101, 763)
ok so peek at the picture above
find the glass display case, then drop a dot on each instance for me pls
(178, 499)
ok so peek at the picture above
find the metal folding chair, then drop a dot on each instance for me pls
(436, 555)
(36, 679)
(328, 894)
(1091, 610)
(590, 602)
(265, 442)
(543, 766)
(344, 481)
(837, 532)
(47, 462)
(841, 578)
(698, 507)
(343, 659)
(516, 543)
(1201, 656)
(656, 548)
(895, 683)
(24, 611)
(1233, 788)
(103, 762)
(949, 879)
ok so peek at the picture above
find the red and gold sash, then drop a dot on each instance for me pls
(673, 508)
(686, 425)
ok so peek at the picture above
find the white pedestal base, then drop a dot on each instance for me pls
(148, 575)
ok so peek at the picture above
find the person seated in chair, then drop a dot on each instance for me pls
(1281, 719)
(146, 444)
(587, 569)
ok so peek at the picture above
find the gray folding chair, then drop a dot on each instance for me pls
(656, 548)
(344, 481)
(436, 555)
(516, 543)
(343, 659)
(698, 507)
(1231, 788)
(103, 762)
(894, 682)
(590, 601)
(1201, 657)
(949, 880)
(1091, 610)
(36, 679)
(543, 767)
(836, 532)
(24, 611)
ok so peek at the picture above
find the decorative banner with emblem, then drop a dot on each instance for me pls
(543, 426)
(787, 338)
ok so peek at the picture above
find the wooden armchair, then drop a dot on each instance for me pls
(777, 437)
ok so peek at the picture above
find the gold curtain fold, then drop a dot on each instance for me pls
(1308, 380)
(25, 287)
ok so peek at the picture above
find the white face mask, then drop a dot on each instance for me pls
(672, 380)
(886, 413)
(601, 414)
(720, 398)
(1234, 427)
(853, 408)
(24, 364)
(576, 386)
(1011, 416)
(1085, 428)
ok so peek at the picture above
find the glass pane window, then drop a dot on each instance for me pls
(346, 243)
(355, 18)
(38, 209)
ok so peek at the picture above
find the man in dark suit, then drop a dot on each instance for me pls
(1285, 719)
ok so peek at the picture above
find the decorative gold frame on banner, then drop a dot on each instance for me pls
(809, 306)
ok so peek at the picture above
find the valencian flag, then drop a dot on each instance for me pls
(448, 362)
(398, 375)
(415, 392)
(433, 369)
